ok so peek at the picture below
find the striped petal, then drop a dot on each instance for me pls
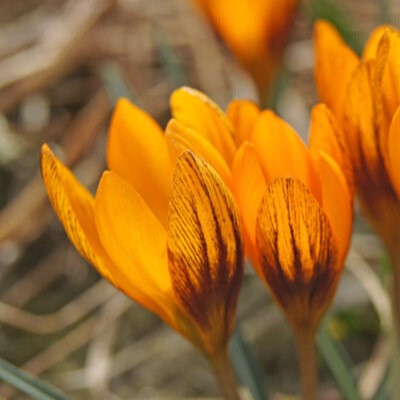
(297, 250)
(137, 151)
(195, 110)
(74, 206)
(204, 248)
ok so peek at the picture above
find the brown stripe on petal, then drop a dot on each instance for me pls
(204, 245)
(297, 250)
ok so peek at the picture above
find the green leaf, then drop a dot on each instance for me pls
(28, 384)
(246, 367)
(338, 362)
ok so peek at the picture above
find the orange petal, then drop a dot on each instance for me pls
(393, 161)
(297, 250)
(335, 64)
(195, 110)
(372, 44)
(391, 75)
(243, 115)
(337, 201)
(74, 206)
(135, 240)
(327, 136)
(179, 138)
(137, 151)
(249, 189)
(362, 123)
(204, 247)
(282, 153)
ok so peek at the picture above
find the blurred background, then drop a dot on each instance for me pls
(62, 66)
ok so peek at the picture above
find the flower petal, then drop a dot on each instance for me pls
(373, 42)
(335, 65)
(282, 153)
(74, 206)
(337, 201)
(137, 151)
(136, 242)
(297, 250)
(249, 189)
(243, 115)
(391, 74)
(179, 137)
(393, 161)
(327, 136)
(195, 110)
(204, 246)
(363, 120)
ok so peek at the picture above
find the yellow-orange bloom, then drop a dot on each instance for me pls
(255, 31)
(295, 202)
(365, 97)
(165, 232)
(296, 206)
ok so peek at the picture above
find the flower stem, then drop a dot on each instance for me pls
(305, 344)
(225, 375)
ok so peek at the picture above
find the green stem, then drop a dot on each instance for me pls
(305, 344)
(225, 375)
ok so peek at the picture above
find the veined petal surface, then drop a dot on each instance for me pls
(195, 110)
(137, 151)
(298, 252)
(74, 206)
(204, 247)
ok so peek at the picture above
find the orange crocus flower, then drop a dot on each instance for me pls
(255, 31)
(165, 232)
(365, 97)
(296, 206)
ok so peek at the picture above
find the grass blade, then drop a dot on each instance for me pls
(338, 363)
(28, 384)
(247, 370)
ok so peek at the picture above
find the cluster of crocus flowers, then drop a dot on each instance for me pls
(273, 174)
(163, 226)
(295, 201)
(365, 98)
(165, 231)
(255, 31)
